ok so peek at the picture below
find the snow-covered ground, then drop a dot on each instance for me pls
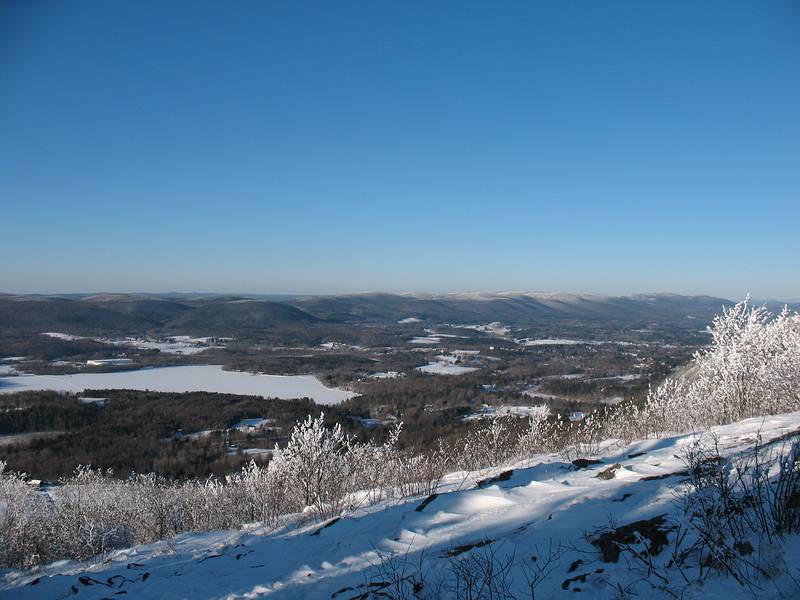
(174, 344)
(387, 375)
(445, 364)
(627, 377)
(568, 342)
(207, 378)
(24, 438)
(257, 452)
(545, 507)
(489, 412)
(424, 339)
(63, 336)
(554, 342)
(570, 376)
(369, 422)
(436, 334)
(93, 400)
(432, 338)
(251, 424)
(409, 320)
(495, 328)
(179, 344)
(533, 392)
(441, 368)
(339, 346)
(613, 400)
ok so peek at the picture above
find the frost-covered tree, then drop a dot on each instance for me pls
(377, 468)
(93, 514)
(314, 466)
(25, 521)
(536, 437)
(751, 368)
(256, 495)
(153, 504)
(490, 444)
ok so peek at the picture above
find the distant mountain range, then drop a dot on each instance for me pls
(134, 314)
(223, 315)
(510, 307)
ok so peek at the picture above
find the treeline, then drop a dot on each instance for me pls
(27, 412)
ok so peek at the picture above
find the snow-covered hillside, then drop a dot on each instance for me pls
(605, 529)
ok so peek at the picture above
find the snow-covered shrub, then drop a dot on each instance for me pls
(490, 444)
(94, 513)
(484, 574)
(208, 505)
(192, 507)
(587, 435)
(784, 500)
(740, 508)
(321, 471)
(625, 422)
(256, 495)
(753, 365)
(153, 503)
(757, 491)
(25, 521)
(488, 572)
(536, 438)
(420, 474)
(377, 468)
(751, 368)
(314, 467)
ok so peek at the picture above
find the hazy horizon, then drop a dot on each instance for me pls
(420, 293)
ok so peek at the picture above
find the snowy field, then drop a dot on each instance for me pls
(555, 342)
(24, 438)
(387, 375)
(569, 342)
(175, 344)
(623, 378)
(490, 412)
(425, 339)
(179, 344)
(494, 328)
(444, 364)
(568, 376)
(576, 376)
(439, 368)
(206, 378)
(532, 509)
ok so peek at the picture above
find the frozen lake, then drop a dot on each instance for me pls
(206, 378)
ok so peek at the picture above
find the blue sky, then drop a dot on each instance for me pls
(607, 147)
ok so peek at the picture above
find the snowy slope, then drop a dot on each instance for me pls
(544, 502)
